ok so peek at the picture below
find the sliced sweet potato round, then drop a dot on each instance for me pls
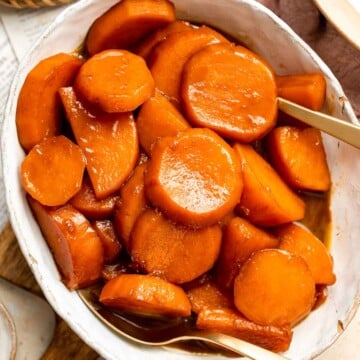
(194, 177)
(145, 294)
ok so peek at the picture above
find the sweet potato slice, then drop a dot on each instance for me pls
(194, 177)
(145, 294)
(158, 118)
(128, 22)
(77, 249)
(308, 90)
(274, 287)
(299, 157)
(173, 252)
(114, 81)
(111, 244)
(299, 241)
(168, 58)
(209, 296)
(109, 142)
(45, 171)
(266, 199)
(230, 90)
(131, 204)
(86, 202)
(240, 240)
(38, 112)
(145, 47)
(230, 322)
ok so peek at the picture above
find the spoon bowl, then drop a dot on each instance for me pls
(161, 332)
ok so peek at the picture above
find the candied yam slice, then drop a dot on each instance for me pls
(86, 202)
(240, 240)
(158, 118)
(145, 294)
(111, 244)
(299, 156)
(127, 23)
(227, 321)
(194, 177)
(266, 199)
(298, 240)
(174, 252)
(145, 47)
(73, 242)
(168, 58)
(114, 81)
(274, 287)
(38, 112)
(209, 296)
(308, 90)
(230, 90)
(131, 204)
(109, 142)
(45, 171)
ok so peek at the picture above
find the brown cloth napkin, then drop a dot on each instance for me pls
(341, 57)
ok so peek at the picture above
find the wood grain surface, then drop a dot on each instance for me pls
(13, 267)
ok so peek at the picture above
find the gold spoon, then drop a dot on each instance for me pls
(154, 332)
(340, 129)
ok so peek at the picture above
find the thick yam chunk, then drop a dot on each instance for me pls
(109, 240)
(299, 157)
(86, 202)
(230, 90)
(145, 294)
(128, 22)
(158, 118)
(45, 171)
(171, 251)
(194, 177)
(308, 90)
(240, 240)
(300, 241)
(274, 287)
(131, 204)
(168, 58)
(73, 242)
(230, 322)
(38, 112)
(109, 142)
(266, 199)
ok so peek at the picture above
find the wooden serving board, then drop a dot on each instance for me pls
(13, 267)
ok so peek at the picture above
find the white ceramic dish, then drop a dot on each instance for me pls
(267, 35)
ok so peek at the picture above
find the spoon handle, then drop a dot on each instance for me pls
(242, 347)
(340, 129)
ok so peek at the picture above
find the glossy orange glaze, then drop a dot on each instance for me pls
(52, 171)
(230, 90)
(131, 204)
(114, 81)
(109, 142)
(168, 58)
(77, 249)
(86, 202)
(266, 199)
(111, 244)
(176, 253)
(274, 287)
(126, 23)
(194, 177)
(298, 155)
(38, 112)
(145, 294)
